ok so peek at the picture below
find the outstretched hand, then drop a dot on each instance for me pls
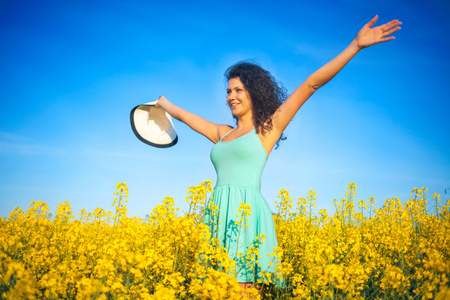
(160, 101)
(370, 36)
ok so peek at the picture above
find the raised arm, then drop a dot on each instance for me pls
(366, 37)
(209, 129)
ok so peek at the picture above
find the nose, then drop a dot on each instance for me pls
(231, 95)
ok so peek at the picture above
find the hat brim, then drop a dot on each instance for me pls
(153, 126)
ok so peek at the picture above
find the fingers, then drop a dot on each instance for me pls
(387, 39)
(159, 101)
(391, 31)
(388, 29)
(389, 25)
(371, 22)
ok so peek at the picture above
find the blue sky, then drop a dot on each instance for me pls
(71, 71)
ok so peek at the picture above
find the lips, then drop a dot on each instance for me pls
(233, 104)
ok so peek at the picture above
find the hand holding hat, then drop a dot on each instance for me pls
(153, 125)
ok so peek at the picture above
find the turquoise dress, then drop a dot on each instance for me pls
(239, 164)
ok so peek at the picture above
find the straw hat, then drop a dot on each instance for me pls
(153, 126)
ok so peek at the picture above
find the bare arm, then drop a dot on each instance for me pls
(366, 37)
(209, 129)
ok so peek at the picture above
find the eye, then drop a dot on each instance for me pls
(228, 92)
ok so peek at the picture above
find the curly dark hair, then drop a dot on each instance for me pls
(266, 93)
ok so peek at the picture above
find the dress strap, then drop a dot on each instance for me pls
(226, 134)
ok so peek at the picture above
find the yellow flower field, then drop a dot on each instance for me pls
(399, 251)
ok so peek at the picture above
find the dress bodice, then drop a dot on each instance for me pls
(240, 161)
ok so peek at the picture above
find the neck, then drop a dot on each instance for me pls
(245, 122)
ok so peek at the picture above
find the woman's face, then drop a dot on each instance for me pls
(238, 98)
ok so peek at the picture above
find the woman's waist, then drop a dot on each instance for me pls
(238, 184)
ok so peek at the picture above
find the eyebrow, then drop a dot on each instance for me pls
(236, 87)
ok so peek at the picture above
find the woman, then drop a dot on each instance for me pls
(240, 153)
